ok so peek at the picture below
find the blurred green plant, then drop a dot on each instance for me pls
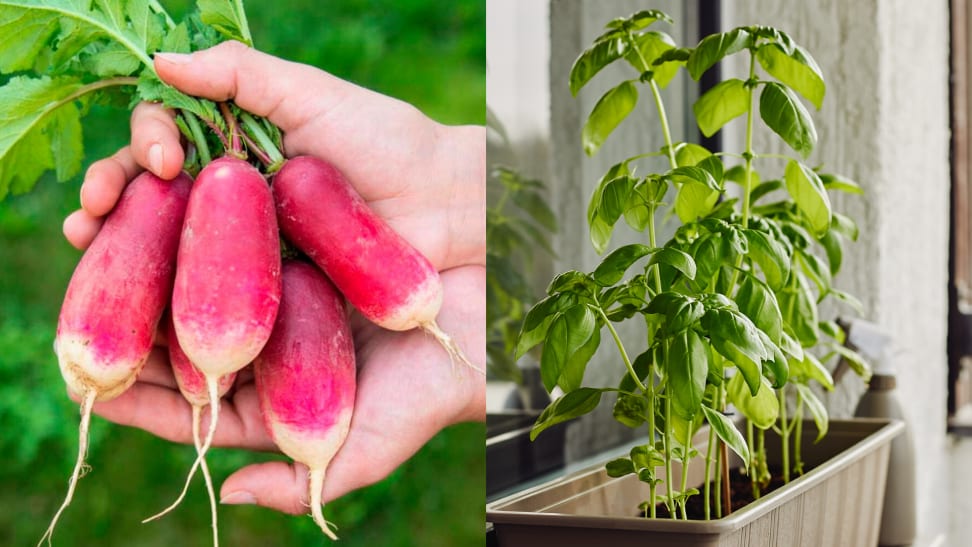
(430, 53)
(518, 223)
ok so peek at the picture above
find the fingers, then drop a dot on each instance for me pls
(157, 370)
(155, 140)
(159, 410)
(80, 228)
(259, 83)
(105, 180)
(103, 184)
(155, 145)
(155, 406)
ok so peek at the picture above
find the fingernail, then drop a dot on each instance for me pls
(174, 58)
(155, 159)
(241, 497)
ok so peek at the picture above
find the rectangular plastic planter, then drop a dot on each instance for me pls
(838, 502)
(511, 458)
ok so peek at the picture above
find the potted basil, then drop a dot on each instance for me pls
(729, 308)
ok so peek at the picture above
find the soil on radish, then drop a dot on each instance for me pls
(740, 490)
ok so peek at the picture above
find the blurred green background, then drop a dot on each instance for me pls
(427, 52)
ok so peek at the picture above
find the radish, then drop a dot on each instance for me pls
(386, 279)
(227, 284)
(116, 297)
(305, 376)
(192, 385)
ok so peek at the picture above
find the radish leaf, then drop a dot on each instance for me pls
(25, 140)
(177, 40)
(22, 36)
(111, 60)
(150, 88)
(66, 142)
(70, 52)
(227, 17)
(130, 24)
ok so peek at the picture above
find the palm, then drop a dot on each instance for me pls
(424, 179)
(407, 391)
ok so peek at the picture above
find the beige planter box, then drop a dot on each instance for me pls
(838, 502)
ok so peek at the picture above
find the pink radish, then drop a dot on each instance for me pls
(227, 284)
(115, 298)
(192, 385)
(305, 376)
(385, 278)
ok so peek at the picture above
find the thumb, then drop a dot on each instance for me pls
(277, 485)
(288, 94)
(285, 486)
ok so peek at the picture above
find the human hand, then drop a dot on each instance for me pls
(426, 180)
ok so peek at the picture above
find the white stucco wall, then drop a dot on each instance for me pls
(885, 124)
(517, 55)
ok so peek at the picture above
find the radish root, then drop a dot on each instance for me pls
(316, 505)
(197, 442)
(450, 345)
(80, 468)
(212, 386)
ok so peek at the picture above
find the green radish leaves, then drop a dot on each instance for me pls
(48, 137)
(150, 88)
(227, 17)
(70, 53)
(24, 36)
(114, 26)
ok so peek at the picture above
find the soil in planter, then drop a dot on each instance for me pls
(740, 490)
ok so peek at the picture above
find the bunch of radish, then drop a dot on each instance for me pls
(211, 249)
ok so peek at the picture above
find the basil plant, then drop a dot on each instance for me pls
(730, 303)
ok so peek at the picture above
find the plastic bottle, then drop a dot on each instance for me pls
(879, 401)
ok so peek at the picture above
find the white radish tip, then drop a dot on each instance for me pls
(451, 347)
(83, 372)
